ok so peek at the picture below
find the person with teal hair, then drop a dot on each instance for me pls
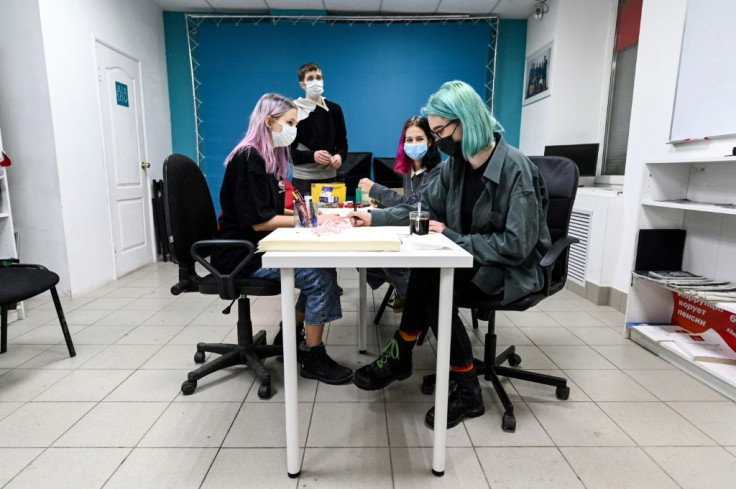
(491, 200)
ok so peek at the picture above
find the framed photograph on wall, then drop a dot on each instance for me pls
(537, 75)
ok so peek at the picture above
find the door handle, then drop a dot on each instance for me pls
(145, 165)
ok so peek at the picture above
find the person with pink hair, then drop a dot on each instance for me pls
(418, 160)
(252, 202)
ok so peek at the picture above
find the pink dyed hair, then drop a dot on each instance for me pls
(404, 164)
(258, 135)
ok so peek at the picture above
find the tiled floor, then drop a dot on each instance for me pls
(113, 416)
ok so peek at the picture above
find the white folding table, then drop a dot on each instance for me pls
(446, 259)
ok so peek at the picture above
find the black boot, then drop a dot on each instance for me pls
(465, 401)
(315, 363)
(394, 363)
(300, 335)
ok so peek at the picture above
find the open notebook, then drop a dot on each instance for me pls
(350, 239)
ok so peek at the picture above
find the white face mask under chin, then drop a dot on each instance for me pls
(285, 137)
(315, 88)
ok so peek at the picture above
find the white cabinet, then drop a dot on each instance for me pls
(698, 195)
(8, 247)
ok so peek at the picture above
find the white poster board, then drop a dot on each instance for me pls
(705, 99)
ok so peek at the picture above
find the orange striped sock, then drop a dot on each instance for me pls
(408, 336)
(463, 369)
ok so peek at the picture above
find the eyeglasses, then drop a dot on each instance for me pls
(437, 133)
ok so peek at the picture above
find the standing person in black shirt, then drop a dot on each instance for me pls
(321, 143)
(252, 201)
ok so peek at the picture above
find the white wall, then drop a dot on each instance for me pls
(28, 138)
(575, 112)
(69, 30)
(582, 32)
(657, 62)
(51, 124)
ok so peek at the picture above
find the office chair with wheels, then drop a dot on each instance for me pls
(21, 281)
(561, 176)
(190, 224)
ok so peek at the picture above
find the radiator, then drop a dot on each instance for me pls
(580, 223)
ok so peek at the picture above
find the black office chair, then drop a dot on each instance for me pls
(190, 224)
(383, 172)
(561, 177)
(357, 165)
(21, 281)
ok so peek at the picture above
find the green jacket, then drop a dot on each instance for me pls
(509, 233)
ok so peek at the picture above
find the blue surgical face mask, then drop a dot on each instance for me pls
(415, 151)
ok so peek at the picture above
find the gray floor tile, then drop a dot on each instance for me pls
(207, 424)
(338, 468)
(15, 460)
(262, 425)
(527, 467)
(84, 385)
(608, 467)
(609, 385)
(411, 469)
(579, 424)
(711, 467)
(486, 431)
(252, 468)
(163, 468)
(715, 419)
(406, 427)
(348, 424)
(674, 385)
(654, 424)
(73, 468)
(113, 424)
(38, 424)
(25, 384)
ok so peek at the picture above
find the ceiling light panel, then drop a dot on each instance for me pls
(422, 7)
(361, 6)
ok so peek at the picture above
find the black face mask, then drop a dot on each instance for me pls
(447, 145)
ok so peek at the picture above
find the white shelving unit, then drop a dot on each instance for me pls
(698, 195)
(8, 247)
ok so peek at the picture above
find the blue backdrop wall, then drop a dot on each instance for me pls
(379, 74)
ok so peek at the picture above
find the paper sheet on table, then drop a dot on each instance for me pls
(431, 241)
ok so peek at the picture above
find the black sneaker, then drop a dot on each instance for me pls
(465, 401)
(339, 290)
(300, 334)
(316, 364)
(394, 363)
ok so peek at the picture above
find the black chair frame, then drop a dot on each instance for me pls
(554, 267)
(251, 349)
(12, 262)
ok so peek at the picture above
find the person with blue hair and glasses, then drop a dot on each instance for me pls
(491, 200)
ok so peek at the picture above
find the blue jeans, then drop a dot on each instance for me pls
(319, 299)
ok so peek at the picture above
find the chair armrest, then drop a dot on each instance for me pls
(557, 248)
(225, 282)
(14, 263)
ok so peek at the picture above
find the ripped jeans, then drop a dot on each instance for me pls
(319, 299)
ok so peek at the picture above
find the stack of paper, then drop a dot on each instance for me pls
(707, 346)
(661, 332)
(350, 239)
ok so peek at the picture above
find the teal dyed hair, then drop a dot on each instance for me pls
(456, 100)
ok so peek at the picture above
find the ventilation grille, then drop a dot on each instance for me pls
(580, 222)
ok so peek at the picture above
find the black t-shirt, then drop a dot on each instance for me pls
(473, 187)
(249, 195)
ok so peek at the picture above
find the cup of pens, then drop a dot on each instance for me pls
(305, 214)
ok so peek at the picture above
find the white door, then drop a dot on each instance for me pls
(125, 159)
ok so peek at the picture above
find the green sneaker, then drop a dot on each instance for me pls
(394, 363)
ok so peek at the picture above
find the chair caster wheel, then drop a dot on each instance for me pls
(199, 357)
(264, 391)
(562, 393)
(514, 360)
(508, 423)
(427, 387)
(187, 388)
